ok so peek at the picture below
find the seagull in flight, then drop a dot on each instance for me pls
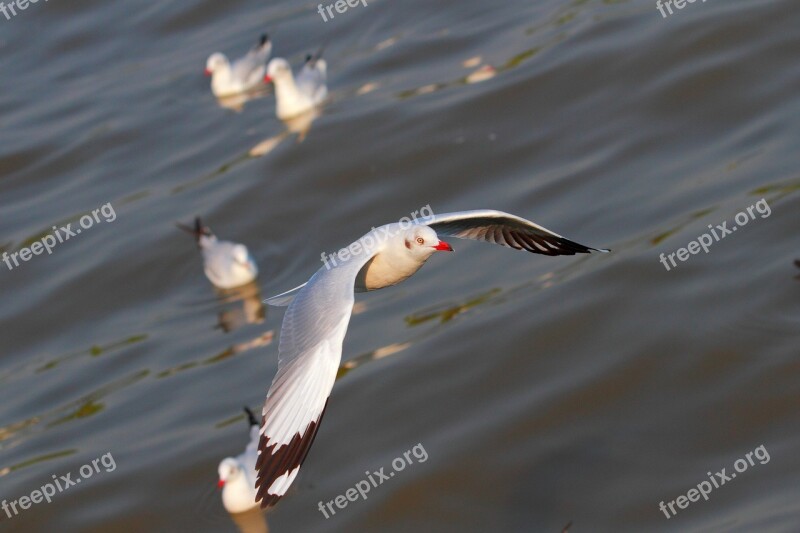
(226, 264)
(318, 313)
(244, 75)
(237, 474)
(295, 96)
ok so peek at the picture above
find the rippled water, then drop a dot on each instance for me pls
(545, 390)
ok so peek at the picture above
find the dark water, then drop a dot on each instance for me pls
(543, 390)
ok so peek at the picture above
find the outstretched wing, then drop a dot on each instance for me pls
(309, 353)
(506, 230)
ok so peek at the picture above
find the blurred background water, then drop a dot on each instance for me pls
(545, 390)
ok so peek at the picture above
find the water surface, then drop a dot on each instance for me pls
(544, 390)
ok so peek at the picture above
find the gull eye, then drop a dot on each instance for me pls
(420, 240)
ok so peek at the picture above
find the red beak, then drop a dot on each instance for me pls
(208, 72)
(443, 247)
(267, 79)
(220, 483)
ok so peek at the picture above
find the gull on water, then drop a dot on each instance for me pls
(300, 94)
(226, 264)
(237, 474)
(243, 75)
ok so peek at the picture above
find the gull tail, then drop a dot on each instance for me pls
(264, 48)
(285, 298)
(198, 230)
(251, 417)
(311, 59)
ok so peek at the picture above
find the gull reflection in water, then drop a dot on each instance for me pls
(252, 310)
(380, 353)
(299, 125)
(252, 521)
(237, 102)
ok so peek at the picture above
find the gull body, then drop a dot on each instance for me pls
(226, 264)
(318, 313)
(243, 75)
(297, 95)
(237, 475)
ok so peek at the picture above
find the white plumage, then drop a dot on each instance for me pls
(295, 96)
(245, 74)
(318, 314)
(226, 264)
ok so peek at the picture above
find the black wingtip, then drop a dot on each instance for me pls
(264, 39)
(277, 460)
(251, 417)
(797, 263)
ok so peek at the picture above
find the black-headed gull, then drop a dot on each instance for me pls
(295, 96)
(237, 474)
(244, 75)
(316, 320)
(226, 264)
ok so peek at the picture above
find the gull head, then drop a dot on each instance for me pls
(229, 470)
(215, 62)
(405, 251)
(278, 69)
(421, 242)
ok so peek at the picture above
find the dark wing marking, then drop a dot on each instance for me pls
(506, 230)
